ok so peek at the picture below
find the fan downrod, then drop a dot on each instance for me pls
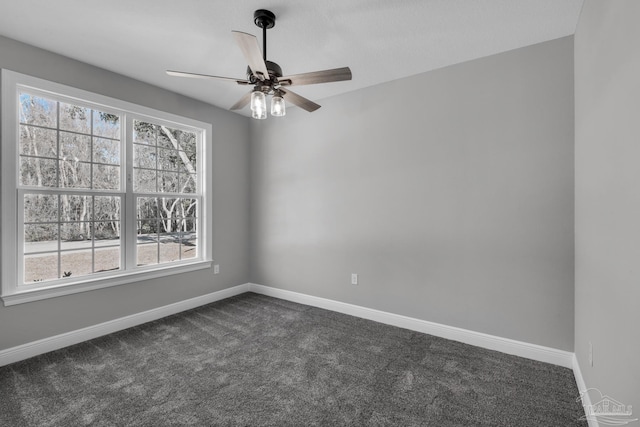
(265, 19)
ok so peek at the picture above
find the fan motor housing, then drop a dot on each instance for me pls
(273, 69)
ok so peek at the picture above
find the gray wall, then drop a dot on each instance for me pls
(607, 91)
(450, 193)
(32, 321)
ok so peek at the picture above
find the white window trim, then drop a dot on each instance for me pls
(12, 291)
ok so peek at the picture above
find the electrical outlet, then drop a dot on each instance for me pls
(216, 268)
(354, 279)
(590, 354)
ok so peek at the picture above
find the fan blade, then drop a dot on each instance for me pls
(326, 76)
(251, 50)
(206, 76)
(242, 102)
(300, 101)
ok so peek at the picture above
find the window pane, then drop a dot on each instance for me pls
(106, 177)
(163, 140)
(185, 208)
(148, 231)
(75, 118)
(189, 238)
(106, 151)
(75, 174)
(169, 247)
(106, 233)
(105, 124)
(38, 268)
(187, 141)
(40, 208)
(38, 142)
(144, 180)
(169, 237)
(74, 147)
(167, 208)
(168, 182)
(187, 164)
(76, 263)
(189, 246)
(40, 237)
(191, 207)
(190, 224)
(144, 156)
(38, 172)
(144, 133)
(38, 111)
(189, 235)
(168, 159)
(147, 254)
(188, 183)
(75, 235)
(147, 207)
(75, 208)
(170, 225)
(107, 208)
(107, 259)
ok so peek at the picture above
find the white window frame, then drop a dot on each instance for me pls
(15, 292)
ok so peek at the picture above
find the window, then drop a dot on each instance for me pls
(67, 152)
(165, 161)
(96, 191)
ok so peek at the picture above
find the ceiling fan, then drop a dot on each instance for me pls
(266, 76)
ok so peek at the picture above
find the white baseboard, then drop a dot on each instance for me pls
(56, 342)
(582, 388)
(491, 342)
(505, 345)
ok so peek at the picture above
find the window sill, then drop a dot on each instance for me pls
(23, 296)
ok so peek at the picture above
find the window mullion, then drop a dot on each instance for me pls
(20, 234)
(129, 230)
(59, 243)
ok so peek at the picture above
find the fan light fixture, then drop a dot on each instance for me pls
(278, 109)
(266, 76)
(258, 104)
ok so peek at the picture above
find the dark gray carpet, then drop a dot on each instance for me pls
(253, 360)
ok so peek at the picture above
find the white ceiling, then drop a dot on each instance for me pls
(381, 40)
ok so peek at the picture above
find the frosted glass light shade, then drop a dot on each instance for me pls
(258, 101)
(278, 108)
(259, 114)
